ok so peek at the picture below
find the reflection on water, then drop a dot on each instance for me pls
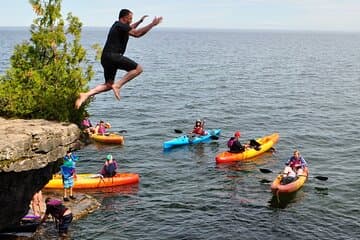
(322, 190)
(106, 147)
(286, 200)
(16, 236)
(247, 165)
(115, 191)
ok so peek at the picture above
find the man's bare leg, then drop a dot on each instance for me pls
(126, 78)
(98, 89)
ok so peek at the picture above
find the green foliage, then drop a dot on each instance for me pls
(48, 71)
(98, 51)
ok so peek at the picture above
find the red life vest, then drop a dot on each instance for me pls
(199, 130)
(295, 163)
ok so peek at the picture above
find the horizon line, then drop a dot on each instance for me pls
(221, 29)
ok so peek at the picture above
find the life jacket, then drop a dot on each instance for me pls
(86, 123)
(101, 129)
(55, 208)
(235, 146)
(110, 169)
(67, 172)
(230, 142)
(295, 163)
(199, 130)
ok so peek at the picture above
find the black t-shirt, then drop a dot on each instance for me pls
(55, 208)
(117, 39)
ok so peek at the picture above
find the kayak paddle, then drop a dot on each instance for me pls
(266, 170)
(214, 137)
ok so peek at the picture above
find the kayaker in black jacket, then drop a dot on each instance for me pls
(234, 144)
(236, 147)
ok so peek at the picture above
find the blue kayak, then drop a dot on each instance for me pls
(192, 139)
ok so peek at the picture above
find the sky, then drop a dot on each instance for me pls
(323, 15)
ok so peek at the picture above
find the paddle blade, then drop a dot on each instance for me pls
(272, 150)
(265, 170)
(178, 131)
(265, 181)
(322, 178)
(213, 137)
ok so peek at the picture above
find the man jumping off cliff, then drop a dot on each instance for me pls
(112, 57)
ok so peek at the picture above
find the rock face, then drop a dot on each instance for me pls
(29, 151)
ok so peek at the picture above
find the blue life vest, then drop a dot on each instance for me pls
(110, 170)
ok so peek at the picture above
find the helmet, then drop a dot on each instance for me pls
(198, 123)
(109, 157)
(237, 134)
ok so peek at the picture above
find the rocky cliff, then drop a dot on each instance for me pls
(29, 154)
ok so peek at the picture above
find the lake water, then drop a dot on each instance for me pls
(303, 85)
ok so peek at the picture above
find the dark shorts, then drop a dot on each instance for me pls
(111, 62)
(65, 223)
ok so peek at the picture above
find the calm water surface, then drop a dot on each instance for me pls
(303, 85)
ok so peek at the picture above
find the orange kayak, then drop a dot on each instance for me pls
(110, 138)
(89, 180)
(277, 188)
(267, 142)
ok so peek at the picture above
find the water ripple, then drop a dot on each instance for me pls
(303, 85)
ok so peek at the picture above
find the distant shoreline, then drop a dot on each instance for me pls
(16, 28)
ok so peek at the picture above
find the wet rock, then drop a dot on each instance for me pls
(80, 207)
(32, 144)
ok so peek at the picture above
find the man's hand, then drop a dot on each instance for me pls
(156, 21)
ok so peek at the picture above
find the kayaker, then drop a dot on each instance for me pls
(236, 147)
(100, 128)
(68, 173)
(295, 166)
(110, 166)
(62, 215)
(199, 127)
(86, 125)
(113, 58)
(234, 144)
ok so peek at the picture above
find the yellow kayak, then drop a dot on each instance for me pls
(111, 138)
(266, 142)
(89, 180)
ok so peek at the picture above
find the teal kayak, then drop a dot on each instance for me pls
(192, 139)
